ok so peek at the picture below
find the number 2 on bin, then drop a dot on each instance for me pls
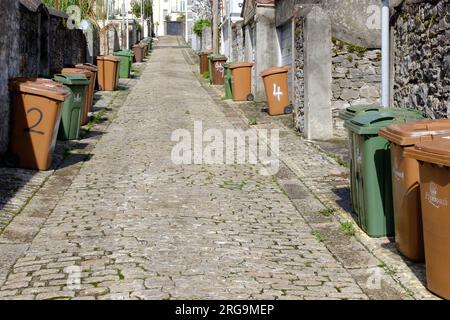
(39, 120)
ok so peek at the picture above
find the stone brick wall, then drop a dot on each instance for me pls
(9, 24)
(299, 81)
(238, 53)
(57, 42)
(356, 75)
(422, 57)
(29, 43)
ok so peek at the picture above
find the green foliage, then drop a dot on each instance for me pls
(201, 24)
(181, 18)
(347, 228)
(167, 18)
(136, 8)
(206, 75)
(91, 10)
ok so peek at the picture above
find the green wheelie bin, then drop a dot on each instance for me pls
(69, 128)
(126, 61)
(350, 113)
(371, 168)
(210, 65)
(228, 82)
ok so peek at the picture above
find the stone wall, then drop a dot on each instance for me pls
(238, 51)
(299, 80)
(9, 24)
(356, 75)
(421, 40)
(57, 42)
(29, 43)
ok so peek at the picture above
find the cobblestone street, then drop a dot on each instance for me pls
(137, 226)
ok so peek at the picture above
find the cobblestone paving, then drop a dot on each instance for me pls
(140, 227)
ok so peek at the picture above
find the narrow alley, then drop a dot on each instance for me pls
(134, 225)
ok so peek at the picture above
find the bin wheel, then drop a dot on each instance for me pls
(11, 160)
(250, 97)
(288, 109)
(265, 109)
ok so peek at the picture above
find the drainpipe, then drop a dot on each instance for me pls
(385, 54)
(230, 38)
(128, 32)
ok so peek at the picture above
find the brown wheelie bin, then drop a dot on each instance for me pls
(203, 57)
(277, 90)
(108, 72)
(89, 94)
(138, 51)
(242, 81)
(92, 68)
(36, 114)
(405, 181)
(434, 168)
(218, 70)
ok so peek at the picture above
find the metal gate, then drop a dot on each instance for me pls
(174, 28)
(285, 36)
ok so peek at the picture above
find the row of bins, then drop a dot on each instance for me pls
(400, 184)
(47, 109)
(237, 78)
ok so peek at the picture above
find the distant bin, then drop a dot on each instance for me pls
(203, 61)
(36, 116)
(108, 72)
(277, 90)
(88, 96)
(228, 82)
(72, 110)
(94, 83)
(138, 51)
(218, 74)
(210, 65)
(405, 181)
(242, 81)
(372, 167)
(126, 61)
(434, 168)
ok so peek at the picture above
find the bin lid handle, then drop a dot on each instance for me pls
(385, 118)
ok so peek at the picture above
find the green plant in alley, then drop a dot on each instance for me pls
(252, 121)
(347, 228)
(201, 24)
(317, 235)
(136, 8)
(91, 10)
(206, 75)
(96, 119)
(328, 212)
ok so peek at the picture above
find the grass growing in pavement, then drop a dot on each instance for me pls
(96, 119)
(347, 228)
(317, 235)
(327, 212)
(206, 75)
(252, 121)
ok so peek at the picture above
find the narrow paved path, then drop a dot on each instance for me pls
(139, 227)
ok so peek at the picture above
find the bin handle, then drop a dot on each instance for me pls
(61, 75)
(386, 118)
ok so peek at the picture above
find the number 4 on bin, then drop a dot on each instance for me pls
(39, 120)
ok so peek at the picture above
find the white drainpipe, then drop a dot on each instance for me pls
(385, 54)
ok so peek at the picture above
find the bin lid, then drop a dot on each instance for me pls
(223, 58)
(124, 53)
(212, 56)
(71, 79)
(371, 122)
(84, 72)
(274, 70)
(352, 111)
(241, 65)
(411, 133)
(436, 151)
(40, 87)
(88, 66)
(108, 58)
